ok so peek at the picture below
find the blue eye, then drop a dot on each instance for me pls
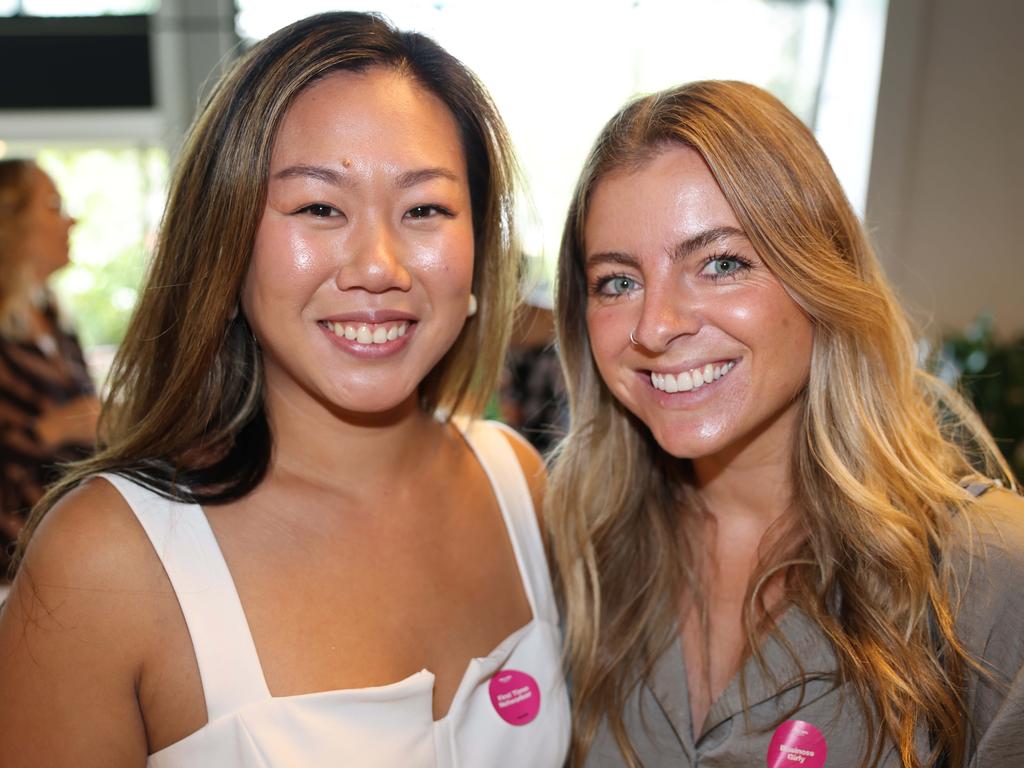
(615, 285)
(722, 266)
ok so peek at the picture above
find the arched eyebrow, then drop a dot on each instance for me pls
(611, 257)
(330, 176)
(702, 240)
(412, 178)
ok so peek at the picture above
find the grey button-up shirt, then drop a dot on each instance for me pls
(990, 623)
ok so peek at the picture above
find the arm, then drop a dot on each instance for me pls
(991, 623)
(73, 638)
(71, 422)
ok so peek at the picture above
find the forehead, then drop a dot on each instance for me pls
(376, 113)
(42, 186)
(670, 196)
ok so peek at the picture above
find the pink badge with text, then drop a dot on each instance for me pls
(515, 696)
(796, 742)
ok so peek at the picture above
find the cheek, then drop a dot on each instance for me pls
(446, 263)
(606, 334)
(282, 261)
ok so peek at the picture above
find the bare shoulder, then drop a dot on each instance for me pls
(533, 467)
(75, 631)
(90, 542)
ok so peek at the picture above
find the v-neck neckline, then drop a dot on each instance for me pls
(807, 643)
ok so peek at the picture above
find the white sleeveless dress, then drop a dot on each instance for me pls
(388, 725)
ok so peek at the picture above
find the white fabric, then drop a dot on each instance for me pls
(390, 725)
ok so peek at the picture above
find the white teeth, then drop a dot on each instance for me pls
(365, 334)
(689, 380)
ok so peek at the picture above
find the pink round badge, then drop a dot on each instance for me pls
(796, 742)
(515, 696)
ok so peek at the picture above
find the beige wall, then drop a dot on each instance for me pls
(946, 193)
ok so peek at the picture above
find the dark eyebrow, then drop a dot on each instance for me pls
(318, 172)
(703, 240)
(611, 257)
(412, 178)
(334, 178)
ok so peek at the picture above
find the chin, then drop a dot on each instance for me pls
(691, 442)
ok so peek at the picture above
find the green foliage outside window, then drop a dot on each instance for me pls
(117, 196)
(990, 372)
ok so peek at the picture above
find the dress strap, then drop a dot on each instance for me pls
(500, 463)
(181, 535)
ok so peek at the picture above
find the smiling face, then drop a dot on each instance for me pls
(363, 261)
(722, 350)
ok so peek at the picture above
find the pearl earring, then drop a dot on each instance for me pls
(472, 305)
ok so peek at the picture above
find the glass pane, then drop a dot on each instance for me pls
(558, 70)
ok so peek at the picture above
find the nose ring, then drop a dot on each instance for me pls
(632, 338)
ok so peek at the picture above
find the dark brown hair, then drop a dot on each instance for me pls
(185, 408)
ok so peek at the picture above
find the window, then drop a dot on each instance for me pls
(559, 70)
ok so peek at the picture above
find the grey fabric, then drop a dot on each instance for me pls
(990, 622)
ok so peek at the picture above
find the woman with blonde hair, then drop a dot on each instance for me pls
(297, 546)
(775, 534)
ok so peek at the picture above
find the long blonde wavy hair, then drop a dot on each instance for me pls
(881, 448)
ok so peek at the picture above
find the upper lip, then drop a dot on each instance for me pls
(689, 366)
(371, 316)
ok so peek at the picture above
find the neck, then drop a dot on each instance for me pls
(751, 483)
(323, 446)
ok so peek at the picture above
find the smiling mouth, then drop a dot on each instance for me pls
(368, 333)
(695, 378)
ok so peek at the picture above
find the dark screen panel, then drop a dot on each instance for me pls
(61, 63)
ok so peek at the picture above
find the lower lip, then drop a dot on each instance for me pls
(691, 397)
(369, 351)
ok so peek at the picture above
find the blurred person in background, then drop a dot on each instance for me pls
(48, 406)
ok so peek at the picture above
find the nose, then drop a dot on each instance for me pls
(669, 310)
(375, 261)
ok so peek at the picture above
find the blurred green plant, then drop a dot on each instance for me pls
(990, 372)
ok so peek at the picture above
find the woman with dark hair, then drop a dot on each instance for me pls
(48, 407)
(773, 541)
(296, 546)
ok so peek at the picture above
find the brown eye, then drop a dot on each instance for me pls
(320, 210)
